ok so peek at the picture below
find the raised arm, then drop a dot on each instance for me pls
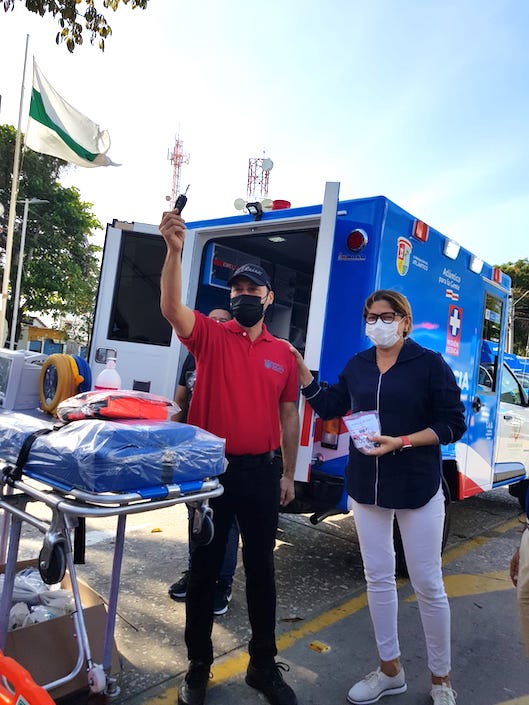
(181, 317)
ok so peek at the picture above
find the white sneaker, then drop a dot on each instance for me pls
(443, 695)
(375, 685)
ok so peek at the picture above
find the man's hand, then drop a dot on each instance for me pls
(173, 229)
(287, 490)
(181, 317)
(513, 570)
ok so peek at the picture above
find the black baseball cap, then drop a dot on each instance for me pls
(253, 272)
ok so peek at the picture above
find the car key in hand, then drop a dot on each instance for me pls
(181, 201)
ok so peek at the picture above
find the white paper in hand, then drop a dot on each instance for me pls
(361, 426)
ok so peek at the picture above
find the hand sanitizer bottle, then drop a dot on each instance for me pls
(109, 377)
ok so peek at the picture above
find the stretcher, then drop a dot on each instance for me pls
(193, 479)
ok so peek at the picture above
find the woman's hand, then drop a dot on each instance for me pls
(383, 445)
(305, 375)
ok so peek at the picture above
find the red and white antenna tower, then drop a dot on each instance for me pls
(177, 157)
(259, 169)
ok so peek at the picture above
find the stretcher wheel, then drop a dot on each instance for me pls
(52, 564)
(205, 535)
(97, 679)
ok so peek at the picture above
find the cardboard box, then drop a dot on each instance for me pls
(49, 650)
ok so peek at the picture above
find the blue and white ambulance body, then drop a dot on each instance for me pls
(324, 261)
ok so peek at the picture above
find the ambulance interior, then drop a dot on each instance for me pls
(287, 256)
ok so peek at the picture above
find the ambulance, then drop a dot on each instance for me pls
(324, 260)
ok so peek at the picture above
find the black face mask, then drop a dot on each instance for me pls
(247, 310)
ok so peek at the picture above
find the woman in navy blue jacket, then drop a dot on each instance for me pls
(418, 404)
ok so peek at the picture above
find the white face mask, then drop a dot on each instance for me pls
(383, 335)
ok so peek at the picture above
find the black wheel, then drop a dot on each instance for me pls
(52, 564)
(205, 535)
(401, 569)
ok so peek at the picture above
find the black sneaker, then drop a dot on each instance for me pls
(222, 599)
(192, 690)
(178, 590)
(270, 682)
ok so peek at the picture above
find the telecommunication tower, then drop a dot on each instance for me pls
(177, 157)
(259, 169)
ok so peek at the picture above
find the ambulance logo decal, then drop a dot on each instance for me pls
(403, 255)
(453, 331)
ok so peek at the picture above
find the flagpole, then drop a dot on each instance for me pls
(12, 207)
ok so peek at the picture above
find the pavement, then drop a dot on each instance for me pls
(323, 628)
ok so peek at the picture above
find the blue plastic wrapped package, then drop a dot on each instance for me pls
(123, 456)
(15, 427)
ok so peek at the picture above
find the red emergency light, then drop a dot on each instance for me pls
(356, 240)
(420, 230)
(279, 204)
(496, 275)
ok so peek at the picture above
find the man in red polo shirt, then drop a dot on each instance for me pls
(246, 392)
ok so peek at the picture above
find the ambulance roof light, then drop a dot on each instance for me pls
(420, 230)
(451, 249)
(476, 264)
(356, 240)
(255, 209)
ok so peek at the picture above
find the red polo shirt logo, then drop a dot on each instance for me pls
(276, 367)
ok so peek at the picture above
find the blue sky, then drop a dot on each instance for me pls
(425, 103)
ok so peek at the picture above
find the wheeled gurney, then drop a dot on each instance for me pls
(91, 469)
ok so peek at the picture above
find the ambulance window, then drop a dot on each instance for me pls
(510, 388)
(135, 314)
(492, 318)
(486, 379)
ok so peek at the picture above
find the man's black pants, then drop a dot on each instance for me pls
(251, 493)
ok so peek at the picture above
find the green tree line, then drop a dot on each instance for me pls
(519, 273)
(61, 264)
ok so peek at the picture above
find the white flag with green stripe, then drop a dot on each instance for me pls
(57, 129)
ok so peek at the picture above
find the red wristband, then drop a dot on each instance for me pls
(405, 442)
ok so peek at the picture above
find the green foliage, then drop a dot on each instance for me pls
(61, 265)
(519, 274)
(74, 16)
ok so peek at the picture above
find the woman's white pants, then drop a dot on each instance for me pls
(422, 533)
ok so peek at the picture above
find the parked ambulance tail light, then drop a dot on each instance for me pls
(356, 240)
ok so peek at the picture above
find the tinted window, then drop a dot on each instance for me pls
(136, 315)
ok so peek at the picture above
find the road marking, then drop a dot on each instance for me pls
(236, 663)
(463, 585)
